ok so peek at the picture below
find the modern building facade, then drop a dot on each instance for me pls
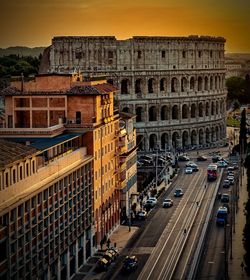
(128, 165)
(175, 85)
(56, 207)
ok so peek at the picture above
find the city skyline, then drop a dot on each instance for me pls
(34, 23)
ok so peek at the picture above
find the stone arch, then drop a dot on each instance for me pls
(125, 109)
(152, 141)
(184, 111)
(206, 83)
(219, 82)
(125, 86)
(152, 112)
(201, 136)
(138, 85)
(192, 83)
(193, 138)
(215, 82)
(207, 109)
(200, 109)
(140, 142)
(174, 85)
(139, 114)
(211, 82)
(184, 84)
(185, 139)
(175, 140)
(221, 107)
(164, 112)
(151, 85)
(213, 134)
(164, 141)
(212, 108)
(163, 84)
(217, 108)
(216, 133)
(208, 136)
(200, 83)
(193, 110)
(175, 112)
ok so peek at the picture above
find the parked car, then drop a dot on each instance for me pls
(130, 264)
(201, 158)
(108, 256)
(178, 192)
(189, 170)
(193, 166)
(141, 215)
(226, 184)
(224, 198)
(102, 264)
(167, 202)
(183, 158)
(230, 179)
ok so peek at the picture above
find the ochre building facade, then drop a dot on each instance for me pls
(175, 85)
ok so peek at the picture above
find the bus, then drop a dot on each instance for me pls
(221, 217)
(212, 172)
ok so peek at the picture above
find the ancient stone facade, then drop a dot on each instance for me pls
(175, 85)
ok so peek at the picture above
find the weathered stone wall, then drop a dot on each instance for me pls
(175, 85)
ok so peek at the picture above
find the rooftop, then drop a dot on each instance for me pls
(12, 151)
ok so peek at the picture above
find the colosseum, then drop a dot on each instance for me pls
(174, 85)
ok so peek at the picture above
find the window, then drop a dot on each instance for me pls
(199, 53)
(163, 54)
(78, 117)
(139, 53)
(183, 54)
(14, 176)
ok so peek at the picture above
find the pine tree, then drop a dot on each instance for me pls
(243, 132)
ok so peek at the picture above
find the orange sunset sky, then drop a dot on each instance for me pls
(34, 23)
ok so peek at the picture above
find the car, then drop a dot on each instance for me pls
(149, 204)
(102, 264)
(231, 179)
(178, 192)
(130, 264)
(201, 158)
(222, 163)
(183, 158)
(227, 206)
(216, 158)
(225, 198)
(167, 202)
(141, 215)
(193, 166)
(189, 164)
(230, 169)
(189, 170)
(230, 173)
(146, 157)
(153, 199)
(226, 184)
(108, 256)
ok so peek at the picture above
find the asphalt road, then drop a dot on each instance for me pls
(161, 245)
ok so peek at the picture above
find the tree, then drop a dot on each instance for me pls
(243, 132)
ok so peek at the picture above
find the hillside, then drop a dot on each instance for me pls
(22, 51)
(240, 57)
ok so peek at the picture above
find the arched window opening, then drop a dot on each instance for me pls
(206, 83)
(199, 83)
(152, 141)
(212, 108)
(217, 108)
(175, 112)
(211, 83)
(164, 113)
(184, 139)
(193, 111)
(139, 114)
(164, 141)
(138, 86)
(174, 85)
(152, 114)
(192, 83)
(200, 110)
(184, 111)
(175, 140)
(193, 138)
(200, 137)
(151, 85)
(208, 136)
(184, 84)
(124, 86)
(162, 84)
(207, 109)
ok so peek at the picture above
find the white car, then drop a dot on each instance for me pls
(154, 199)
(167, 202)
(142, 215)
(222, 163)
(189, 170)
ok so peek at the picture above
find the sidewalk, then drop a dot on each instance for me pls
(234, 266)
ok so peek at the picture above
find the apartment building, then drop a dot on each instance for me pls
(59, 115)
